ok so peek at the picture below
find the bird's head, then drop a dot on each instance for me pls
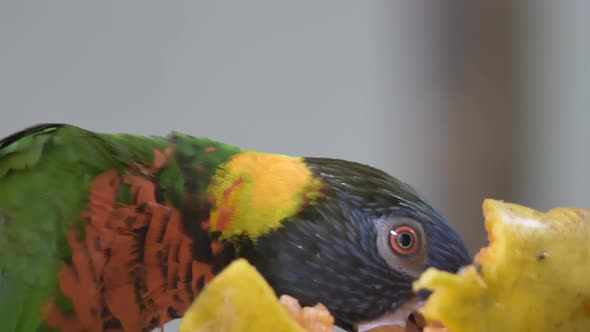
(358, 249)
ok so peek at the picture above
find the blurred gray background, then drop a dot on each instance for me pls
(463, 100)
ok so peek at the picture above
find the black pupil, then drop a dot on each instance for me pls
(405, 240)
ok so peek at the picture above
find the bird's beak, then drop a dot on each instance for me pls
(405, 318)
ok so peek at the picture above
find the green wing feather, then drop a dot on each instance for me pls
(45, 172)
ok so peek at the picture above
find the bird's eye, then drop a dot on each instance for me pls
(403, 240)
(402, 244)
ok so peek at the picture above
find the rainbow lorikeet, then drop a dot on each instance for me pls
(118, 232)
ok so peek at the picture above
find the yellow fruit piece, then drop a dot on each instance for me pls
(238, 300)
(533, 276)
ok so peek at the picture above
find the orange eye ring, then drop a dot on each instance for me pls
(404, 240)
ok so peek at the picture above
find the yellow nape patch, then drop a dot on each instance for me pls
(253, 192)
